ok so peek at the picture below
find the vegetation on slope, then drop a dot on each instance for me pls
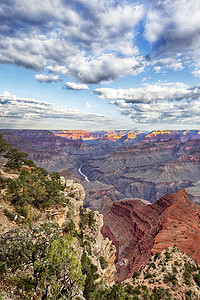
(169, 275)
(40, 260)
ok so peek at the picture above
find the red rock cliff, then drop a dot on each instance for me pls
(140, 230)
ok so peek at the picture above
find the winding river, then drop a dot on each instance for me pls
(83, 174)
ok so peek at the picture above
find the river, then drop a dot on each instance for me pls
(83, 174)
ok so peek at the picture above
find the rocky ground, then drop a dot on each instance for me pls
(171, 273)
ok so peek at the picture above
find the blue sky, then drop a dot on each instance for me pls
(106, 64)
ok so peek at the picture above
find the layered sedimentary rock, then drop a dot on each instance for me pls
(96, 191)
(98, 245)
(164, 135)
(102, 141)
(48, 150)
(138, 230)
(140, 169)
(181, 225)
(108, 134)
(151, 170)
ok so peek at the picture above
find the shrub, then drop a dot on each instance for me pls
(103, 262)
(70, 228)
(9, 214)
(174, 269)
(167, 255)
(189, 293)
(136, 290)
(197, 279)
(4, 146)
(38, 258)
(90, 271)
(170, 277)
(35, 187)
(147, 275)
(117, 292)
(156, 256)
(187, 273)
(135, 274)
(145, 293)
(152, 265)
(86, 218)
(26, 212)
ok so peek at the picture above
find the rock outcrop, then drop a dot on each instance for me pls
(70, 215)
(95, 193)
(138, 230)
(98, 247)
(171, 275)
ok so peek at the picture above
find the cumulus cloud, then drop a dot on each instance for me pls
(29, 109)
(168, 63)
(104, 68)
(70, 36)
(196, 73)
(165, 113)
(47, 78)
(161, 103)
(95, 41)
(76, 86)
(148, 93)
(174, 25)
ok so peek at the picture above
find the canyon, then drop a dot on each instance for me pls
(146, 192)
(122, 164)
(148, 171)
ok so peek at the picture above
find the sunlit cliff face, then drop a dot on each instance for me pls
(85, 135)
(156, 132)
(75, 134)
(183, 134)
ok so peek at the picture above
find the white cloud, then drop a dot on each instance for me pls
(13, 107)
(47, 78)
(154, 26)
(165, 113)
(104, 68)
(95, 41)
(174, 26)
(149, 93)
(76, 86)
(70, 36)
(196, 73)
(167, 63)
(88, 104)
(162, 103)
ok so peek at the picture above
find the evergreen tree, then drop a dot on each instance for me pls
(15, 158)
(42, 260)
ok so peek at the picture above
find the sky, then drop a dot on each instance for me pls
(100, 64)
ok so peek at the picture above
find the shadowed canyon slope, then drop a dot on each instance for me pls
(119, 164)
(138, 230)
(151, 170)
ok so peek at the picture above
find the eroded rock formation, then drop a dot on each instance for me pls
(151, 170)
(138, 230)
(98, 245)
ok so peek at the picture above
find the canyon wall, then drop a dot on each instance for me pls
(138, 230)
(151, 170)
